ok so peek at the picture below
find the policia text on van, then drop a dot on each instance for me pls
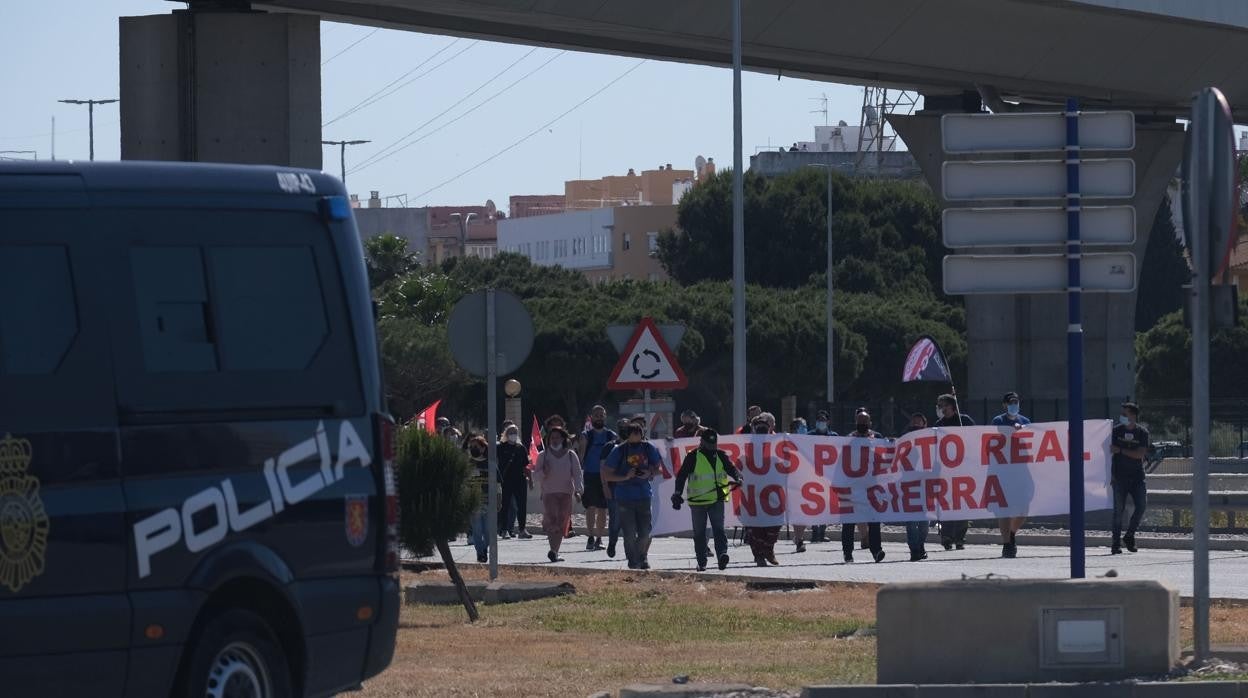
(196, 495)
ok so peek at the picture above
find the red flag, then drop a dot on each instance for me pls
(429, 417)
(535, 442)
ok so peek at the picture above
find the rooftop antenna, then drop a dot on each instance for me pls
(823, 99)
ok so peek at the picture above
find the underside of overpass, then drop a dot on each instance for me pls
(224, 81)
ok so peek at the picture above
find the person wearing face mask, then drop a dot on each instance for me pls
(559, 471)
(916, 531)
(608, 489)
(591, 449)
(1129, 447)
(762, 539)
(478, 454)
(690, 426)
(631, 466)
(952, 533)
(513, 468)
(552, 422)
(1010, 526)
(819, 534)
(863, 430)
(798, 427)
(710, 475)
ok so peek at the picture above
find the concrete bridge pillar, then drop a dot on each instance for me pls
(221, 83)
(1019, 342)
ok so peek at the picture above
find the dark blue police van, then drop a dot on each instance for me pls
(196, 495)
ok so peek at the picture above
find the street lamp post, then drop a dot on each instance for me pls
(463, 220)
(90, 117)
(828, 303)
(342, 153)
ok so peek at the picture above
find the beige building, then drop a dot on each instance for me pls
(651, 187)
(635, 244)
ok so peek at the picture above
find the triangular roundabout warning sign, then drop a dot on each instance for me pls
(647, 363)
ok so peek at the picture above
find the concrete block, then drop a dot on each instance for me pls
(891, 691)
(1188, 689)
(684, 690)
(1002, 620)
(1080, 690)
(998, 690)
(513, 592)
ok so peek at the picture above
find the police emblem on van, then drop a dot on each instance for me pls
(357, 519)
(23, 521)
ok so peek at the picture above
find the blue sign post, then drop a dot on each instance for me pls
(1074, 341)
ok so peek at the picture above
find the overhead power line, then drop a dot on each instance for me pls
(381, 154)
(470, 110)
(349, 47)
(382, 93)
(532, 133)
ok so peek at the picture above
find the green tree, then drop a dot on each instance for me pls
(387, 258)
(1163, 357)
(886, 234)
(437, 498)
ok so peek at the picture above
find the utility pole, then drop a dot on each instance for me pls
(342, 153)
(90, 116)
(831, 333)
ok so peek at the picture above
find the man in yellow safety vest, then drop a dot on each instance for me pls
(710, 475)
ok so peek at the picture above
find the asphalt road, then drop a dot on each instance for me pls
(1228, 569)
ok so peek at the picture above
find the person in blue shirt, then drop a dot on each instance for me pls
(631, 466)
(593, 443)
(1013, 419)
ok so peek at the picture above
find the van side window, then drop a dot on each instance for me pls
(173, 309)
(269, 306)
(38, 313)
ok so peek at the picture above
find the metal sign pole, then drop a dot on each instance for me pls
(1201, 175)
(491, 436)
(645, 409)
(738, 226)
(831, 331)
(1074, 342)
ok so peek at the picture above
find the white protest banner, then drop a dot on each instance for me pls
(950, 474)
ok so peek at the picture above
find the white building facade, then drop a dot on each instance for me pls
(579, 240)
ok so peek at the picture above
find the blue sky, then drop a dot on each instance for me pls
(656, 114)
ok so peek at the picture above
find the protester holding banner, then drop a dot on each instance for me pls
(632, 465)
(916, 531)
(762, 539)
(559, 472)
(1010, 526)
(952, 533)
(798, 427)
(592, 443)
(690, 426)
(750, 415)
(863, 430)
(709, 473)
(1129, 447)
(819, 534)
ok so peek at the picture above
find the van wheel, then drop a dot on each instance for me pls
(236, 656)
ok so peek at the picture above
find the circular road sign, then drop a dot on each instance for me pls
(513, 333)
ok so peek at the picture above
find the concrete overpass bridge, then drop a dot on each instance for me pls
(223, 82)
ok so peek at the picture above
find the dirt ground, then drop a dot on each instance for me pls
(622, 627)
